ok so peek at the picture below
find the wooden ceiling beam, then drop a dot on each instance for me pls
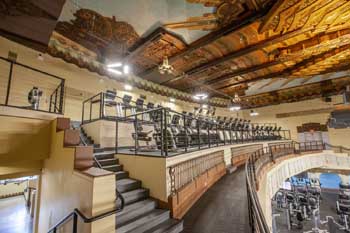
(290, 70)
(317, 90)
(211, 37)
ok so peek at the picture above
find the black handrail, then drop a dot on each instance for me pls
(85, 219)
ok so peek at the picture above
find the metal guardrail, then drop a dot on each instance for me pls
(196, 133)
(185, 172)
(22, 78)
(75, 214)
(257, 161)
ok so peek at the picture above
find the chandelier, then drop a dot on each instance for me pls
(165, 67)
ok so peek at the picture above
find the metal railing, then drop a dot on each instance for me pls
(185, 172)
(75, 214)
(18, 80)
(189, 133)
(337, 149)
(256, 162)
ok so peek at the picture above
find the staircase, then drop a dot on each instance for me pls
(140, 213)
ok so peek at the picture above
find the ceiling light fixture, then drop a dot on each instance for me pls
(253, 113)
(165, 67)
(200, 96)
(118, 68)
(127, 87)
(113, 65)
(234, 107)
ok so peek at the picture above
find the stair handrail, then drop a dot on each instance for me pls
(122, 200)
(75, 213)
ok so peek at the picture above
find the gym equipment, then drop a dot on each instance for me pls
(34, 96)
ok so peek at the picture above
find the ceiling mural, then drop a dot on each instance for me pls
(265, 51)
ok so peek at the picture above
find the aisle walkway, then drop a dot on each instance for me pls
(14, 216)
(222, 209)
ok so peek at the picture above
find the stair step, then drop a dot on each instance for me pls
(106, 162)
(168, 226)
(135, 210)
(121, 175)
(145, 222)
(135, 195)
(101, 150)
(104, 155)
(113, 168)
(125, 185)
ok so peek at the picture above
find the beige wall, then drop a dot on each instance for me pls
(12, 188)
(62, 189)
(268, 115)
(80, 83)
(150, 170)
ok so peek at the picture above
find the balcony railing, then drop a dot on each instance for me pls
(177, 133)
(185, 172)
(19, 82)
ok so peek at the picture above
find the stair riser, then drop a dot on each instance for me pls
(148, 225)
(127, 217)
(176, 229)
(114, 169)
(107, 163)
(104, 156)
(123, 175)
(129, 187)
(137, 197)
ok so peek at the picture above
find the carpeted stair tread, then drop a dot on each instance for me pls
(168, 226)
(145, 222)
(135, 195)
(127, 184)
(132, 211)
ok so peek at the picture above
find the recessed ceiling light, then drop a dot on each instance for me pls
(235, 108)
(113, 65)
(114, 71)
(127, 87)
(253, 113)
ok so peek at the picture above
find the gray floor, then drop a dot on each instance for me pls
(222, 209)
(14, 216)
(327, 208)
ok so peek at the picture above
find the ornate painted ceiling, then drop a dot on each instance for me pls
(267, 51)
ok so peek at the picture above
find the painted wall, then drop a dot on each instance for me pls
(268, 115)
(62, 189)
(12, 189)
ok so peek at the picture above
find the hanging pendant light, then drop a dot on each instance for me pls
(165, 67)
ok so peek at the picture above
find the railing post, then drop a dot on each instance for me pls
(166, 131)
(136, 136)
(55, 105)
(75, 223)
(90, 108)
(185, 129)
(61, 96)
(82, 113)
(9, 84)
(116, 136)
(161, 132)
(199, 136)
